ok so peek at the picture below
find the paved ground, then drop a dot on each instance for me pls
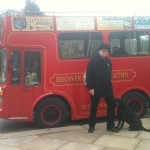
(75, 137)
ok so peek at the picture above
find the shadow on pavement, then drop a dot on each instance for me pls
(7, 126)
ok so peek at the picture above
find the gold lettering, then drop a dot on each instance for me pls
(68, 79)
(57, 80)
(71, 79)
(120, 75)
(126, 75)
(62, 79)
(79, 79)
(86, 107)
(76, 78)
(114, 76)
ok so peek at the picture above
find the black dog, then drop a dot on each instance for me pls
(125, 114)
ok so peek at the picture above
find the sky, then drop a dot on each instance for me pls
(118, 6)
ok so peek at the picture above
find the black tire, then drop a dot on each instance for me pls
(137, 102)
(50, 112)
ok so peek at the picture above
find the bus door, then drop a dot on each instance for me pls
(25, 81)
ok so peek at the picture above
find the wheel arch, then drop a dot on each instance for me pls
(53, 96)
(65, 99)
(141, 91)
(138, 91)
(143, 103)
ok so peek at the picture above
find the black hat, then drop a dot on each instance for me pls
(103, 46)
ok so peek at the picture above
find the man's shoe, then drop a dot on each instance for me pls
(113, 129)
(90, 130)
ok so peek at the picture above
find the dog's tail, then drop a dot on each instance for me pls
(144, 129)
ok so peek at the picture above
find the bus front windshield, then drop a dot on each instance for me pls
(2, 66)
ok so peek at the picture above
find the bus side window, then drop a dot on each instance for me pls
(32, 68)
(15, 68)
(131, 46)
(129, 43)
(116, 40)
(144, 44)
(79, 44)
(116, 51)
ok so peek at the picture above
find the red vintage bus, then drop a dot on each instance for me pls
(43, 60)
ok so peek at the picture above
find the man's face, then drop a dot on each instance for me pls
(104, 52)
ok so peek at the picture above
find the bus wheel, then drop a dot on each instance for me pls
(50, 113)
(137, 102)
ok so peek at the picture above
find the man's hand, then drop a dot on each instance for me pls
(91, 91)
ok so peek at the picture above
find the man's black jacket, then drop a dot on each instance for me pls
(98, 76)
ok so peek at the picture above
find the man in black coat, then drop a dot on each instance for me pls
(98, 82)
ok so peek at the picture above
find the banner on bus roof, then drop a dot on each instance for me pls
(114, 23)
(75, 23)
(32, 23)
(142, 22)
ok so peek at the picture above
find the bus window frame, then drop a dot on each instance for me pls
(31, 75)
(86, 56)
(138, 43)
